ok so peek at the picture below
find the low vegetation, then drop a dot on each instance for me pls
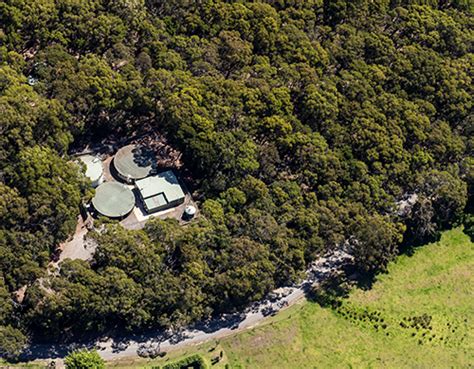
(84, 359)
(190, 362)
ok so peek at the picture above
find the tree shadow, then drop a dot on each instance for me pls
(330, 291)
(48, 351)
(230, 321)
(365, 280)
(411, 243)
(144, 156)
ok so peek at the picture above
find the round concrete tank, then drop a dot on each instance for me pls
(134, 162)
(94, 169)
(113, 199)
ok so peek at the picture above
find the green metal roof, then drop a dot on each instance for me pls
(155, 202)
(134, 162)
(165, 182)
(113, 199)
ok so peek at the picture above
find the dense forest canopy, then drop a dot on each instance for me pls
(304, 123)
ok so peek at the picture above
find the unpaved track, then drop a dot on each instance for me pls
(193, 337)
(215, 329)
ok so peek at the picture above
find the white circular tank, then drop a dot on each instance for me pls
(94, 169)
(189, 211)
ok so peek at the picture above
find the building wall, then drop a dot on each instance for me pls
(116, 172)
(98, 181)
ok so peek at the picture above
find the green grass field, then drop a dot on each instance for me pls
(437, 280)
(418, 315)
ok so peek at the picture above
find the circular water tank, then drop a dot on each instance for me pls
(113, 200)
(189, 211)
(94, 169)
(134, 162)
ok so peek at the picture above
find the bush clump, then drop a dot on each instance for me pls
(84, 359)
(194, 362)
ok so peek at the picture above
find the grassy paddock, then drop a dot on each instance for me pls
(417, 315)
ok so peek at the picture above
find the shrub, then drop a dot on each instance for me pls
(194, 361)
(84, 359)
(12, 342)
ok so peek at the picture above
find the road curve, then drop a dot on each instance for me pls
(225, 325)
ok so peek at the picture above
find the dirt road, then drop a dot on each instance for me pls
(204, 331)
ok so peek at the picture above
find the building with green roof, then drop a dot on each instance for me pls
(160, 192)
